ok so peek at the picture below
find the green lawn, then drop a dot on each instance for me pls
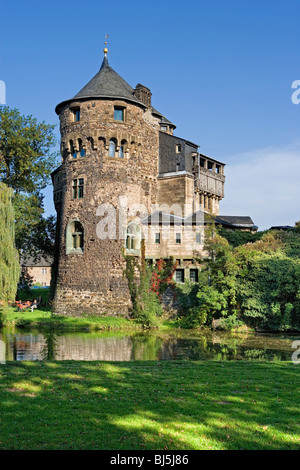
(149, 405)
(42, 318)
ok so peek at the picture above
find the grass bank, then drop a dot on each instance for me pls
(149, 405)
(43, 318)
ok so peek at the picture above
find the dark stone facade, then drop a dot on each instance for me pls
(92, 281)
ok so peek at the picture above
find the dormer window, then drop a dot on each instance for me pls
(118, 114)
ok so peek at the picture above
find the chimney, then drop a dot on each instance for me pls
(143, 94)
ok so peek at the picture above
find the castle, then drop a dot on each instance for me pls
(125, 176)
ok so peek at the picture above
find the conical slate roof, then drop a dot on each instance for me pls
(106, 84)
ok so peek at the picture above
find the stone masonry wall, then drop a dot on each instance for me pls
(92, 282)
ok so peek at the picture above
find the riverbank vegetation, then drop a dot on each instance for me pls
(247, 280)
(256, 284)
(149, 405)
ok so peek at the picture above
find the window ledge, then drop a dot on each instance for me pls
(133, 252)
(75, 251)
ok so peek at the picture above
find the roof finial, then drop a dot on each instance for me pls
(105, 50)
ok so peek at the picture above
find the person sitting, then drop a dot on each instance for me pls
(33, 305)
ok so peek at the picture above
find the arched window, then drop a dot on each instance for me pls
(123, 148)
(72, 149)
(121, 152)
(81, 149)
(133, 239)
(112, 148)
(74, 238)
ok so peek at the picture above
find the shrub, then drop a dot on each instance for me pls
(195, 318)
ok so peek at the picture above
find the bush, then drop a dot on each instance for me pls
(230, 323)
(195, 318)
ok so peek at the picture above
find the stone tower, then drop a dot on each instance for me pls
(110, 149)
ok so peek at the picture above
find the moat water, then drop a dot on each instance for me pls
(19, 344)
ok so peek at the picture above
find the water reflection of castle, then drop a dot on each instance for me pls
(80, 348)
(138, 347)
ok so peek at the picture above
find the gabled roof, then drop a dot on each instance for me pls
(105, 84)
(163, 118)
(235, 221)
(39, 261)
(281, 227)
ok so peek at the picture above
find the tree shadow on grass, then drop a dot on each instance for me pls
(149, 405)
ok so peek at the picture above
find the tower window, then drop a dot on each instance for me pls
(81, 149)
(78, 186)
(121, 152)
(118, 114)
(157, 238)
(164, 128)
(72, 149)
(112, 148)
(178, 148)
(76, 114)
(74, 238)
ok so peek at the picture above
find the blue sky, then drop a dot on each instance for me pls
(220, 70)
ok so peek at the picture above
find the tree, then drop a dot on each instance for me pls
(26, 162)
(9, 258)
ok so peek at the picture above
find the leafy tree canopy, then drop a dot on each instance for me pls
(27, 158)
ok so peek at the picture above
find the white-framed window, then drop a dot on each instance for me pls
(133, 239)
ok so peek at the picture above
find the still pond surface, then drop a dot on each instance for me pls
(19, 344)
